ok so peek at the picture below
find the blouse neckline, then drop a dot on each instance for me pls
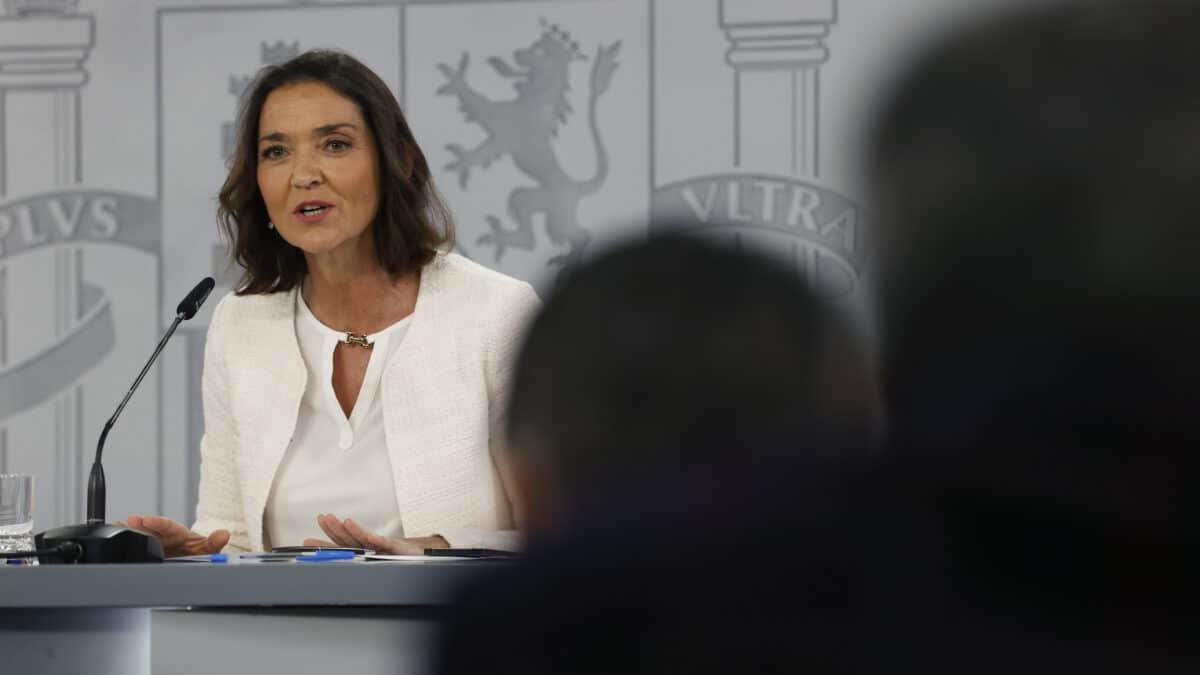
(312, 319)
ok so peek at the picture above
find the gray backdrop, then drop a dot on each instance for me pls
(741, 118)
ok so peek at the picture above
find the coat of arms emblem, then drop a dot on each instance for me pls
(523, 127)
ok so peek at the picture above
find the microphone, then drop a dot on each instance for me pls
(191, 302)
(97, 541)
(186, 310)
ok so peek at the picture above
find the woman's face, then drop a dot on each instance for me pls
(318, 169)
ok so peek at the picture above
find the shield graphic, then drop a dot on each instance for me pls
(536, 119)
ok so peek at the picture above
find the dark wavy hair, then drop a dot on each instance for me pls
(412, 222)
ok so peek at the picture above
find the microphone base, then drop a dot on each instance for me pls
(102, 543)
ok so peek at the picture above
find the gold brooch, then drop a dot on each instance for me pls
(360, 340)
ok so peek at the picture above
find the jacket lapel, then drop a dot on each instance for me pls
(429, 414)
(267, 381)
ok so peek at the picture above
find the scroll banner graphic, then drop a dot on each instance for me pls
(824, 225)
(69, 218)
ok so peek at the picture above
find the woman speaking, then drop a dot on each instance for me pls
(354, 381)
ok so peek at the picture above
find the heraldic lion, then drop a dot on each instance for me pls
(523, 129)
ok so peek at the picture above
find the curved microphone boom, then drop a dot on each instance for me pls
(99, 542)
(187, 309)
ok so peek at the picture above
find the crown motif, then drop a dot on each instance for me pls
(552, 31)
(239, 83)
(274, 54)
(23, 8)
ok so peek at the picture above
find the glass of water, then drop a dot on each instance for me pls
(16, 516)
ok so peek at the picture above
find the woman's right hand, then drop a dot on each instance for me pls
(177, 540)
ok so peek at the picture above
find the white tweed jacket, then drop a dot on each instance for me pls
(444, 391)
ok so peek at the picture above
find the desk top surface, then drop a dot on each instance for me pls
(217, 585)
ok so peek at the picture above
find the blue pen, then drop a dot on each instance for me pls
(326, 556)
(218, 558)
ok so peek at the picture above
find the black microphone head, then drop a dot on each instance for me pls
(191, 303)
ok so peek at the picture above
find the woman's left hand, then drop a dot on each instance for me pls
(349, 534)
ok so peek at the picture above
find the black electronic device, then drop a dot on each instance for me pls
(300, 550)
(97, 541)
(471, 553)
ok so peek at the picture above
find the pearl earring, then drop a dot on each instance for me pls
(270, 225)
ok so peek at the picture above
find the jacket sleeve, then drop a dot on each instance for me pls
(503, 341)
(470, 537)
(220, 502)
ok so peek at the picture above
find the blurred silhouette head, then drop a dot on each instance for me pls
(674, 357)
(1036, 178)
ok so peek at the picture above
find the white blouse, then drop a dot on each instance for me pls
(335, 464)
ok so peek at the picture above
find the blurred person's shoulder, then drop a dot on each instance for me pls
(671, 573)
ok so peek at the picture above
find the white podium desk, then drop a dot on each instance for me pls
(177, 618)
